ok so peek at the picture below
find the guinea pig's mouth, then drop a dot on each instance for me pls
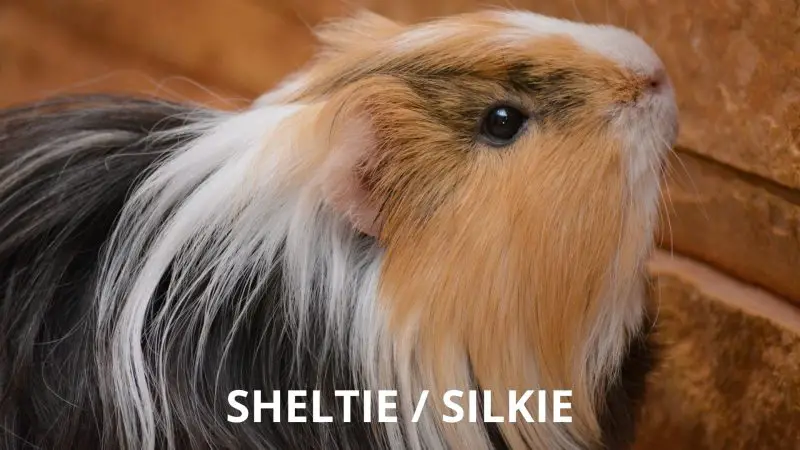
(665, 110)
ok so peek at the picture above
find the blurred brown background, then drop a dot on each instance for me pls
(729, 277)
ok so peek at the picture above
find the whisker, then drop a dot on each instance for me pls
(577, 10)
(695, 190)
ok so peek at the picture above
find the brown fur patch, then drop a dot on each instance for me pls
(494, 270)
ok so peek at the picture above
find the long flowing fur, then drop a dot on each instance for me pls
(348, 232)
(155, 258)
(219, 281)
(66, 168)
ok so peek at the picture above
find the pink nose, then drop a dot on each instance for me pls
(658, 80)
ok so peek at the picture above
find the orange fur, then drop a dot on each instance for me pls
(495, 269)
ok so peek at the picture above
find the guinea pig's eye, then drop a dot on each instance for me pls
(501, 124)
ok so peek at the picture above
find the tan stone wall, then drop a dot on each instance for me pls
(730, 359)
(733, 212)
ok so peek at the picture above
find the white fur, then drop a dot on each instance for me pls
(286, 88)
(616, 44)
(228, 180)
(220, 202)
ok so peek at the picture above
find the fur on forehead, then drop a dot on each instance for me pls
(484, 44)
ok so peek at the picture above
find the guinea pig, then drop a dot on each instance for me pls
(463, 204)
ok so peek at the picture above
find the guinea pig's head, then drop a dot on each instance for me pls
(508, 165)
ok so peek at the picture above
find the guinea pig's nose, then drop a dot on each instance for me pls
(657, 80)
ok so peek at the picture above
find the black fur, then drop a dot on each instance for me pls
(626, 392)
(55, 216)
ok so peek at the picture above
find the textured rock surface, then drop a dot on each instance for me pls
(729, 376)
(745, 225)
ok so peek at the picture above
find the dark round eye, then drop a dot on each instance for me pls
(501, 124)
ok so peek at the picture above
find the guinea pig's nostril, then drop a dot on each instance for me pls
(657, 80)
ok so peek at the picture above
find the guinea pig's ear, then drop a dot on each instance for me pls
(362, 28)
(352, 154)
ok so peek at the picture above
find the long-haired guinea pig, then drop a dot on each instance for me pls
(464, 204)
